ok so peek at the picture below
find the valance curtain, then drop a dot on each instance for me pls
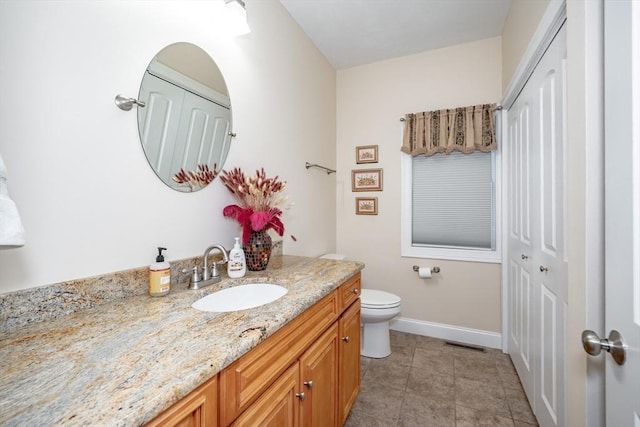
(463, 129)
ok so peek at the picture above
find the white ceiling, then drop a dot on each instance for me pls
(356, 32)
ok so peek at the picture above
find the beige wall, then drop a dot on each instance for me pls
(371, 100)
(88, 199)
(522, 21)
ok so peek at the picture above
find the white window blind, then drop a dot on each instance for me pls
(453, 201)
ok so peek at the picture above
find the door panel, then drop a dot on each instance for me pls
(319, 377)
(536, 245)
(622, 207)
(203, 125)
(549, 252)
(548, 361)
(160, 122)
(520, 245)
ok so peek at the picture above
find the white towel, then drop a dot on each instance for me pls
(11, 230)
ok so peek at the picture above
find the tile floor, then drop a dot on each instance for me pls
(424, 383)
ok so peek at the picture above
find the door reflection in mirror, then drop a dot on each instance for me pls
(185, 128)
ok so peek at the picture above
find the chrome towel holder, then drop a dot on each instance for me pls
(313, 165)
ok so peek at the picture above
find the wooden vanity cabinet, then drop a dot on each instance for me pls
(198, 409)
(246, 379)
(306, 374)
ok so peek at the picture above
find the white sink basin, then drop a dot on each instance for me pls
(240, 297)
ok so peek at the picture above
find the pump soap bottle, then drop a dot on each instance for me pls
(159, 276)
(237, 265)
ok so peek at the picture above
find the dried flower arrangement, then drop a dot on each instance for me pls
(196, 179)
(257, 198)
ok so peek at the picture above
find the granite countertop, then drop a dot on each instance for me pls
(124, 362)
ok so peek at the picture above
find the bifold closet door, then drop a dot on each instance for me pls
(537, 270)
(520, 240)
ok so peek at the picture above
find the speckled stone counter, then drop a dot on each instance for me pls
(125, 361)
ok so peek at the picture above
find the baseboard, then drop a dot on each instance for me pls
(447, 332)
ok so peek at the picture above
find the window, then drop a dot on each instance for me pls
(449, 207)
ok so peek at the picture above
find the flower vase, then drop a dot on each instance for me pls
(258, 250)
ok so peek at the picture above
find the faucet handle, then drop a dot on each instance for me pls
(214, 270)
(195, 273)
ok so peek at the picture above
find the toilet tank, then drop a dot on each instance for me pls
(334, 256)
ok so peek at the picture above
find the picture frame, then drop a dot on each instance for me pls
(367, 154)
(366, 206)
(366, 180)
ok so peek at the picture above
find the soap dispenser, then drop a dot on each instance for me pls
(159, 276)
(237, 265)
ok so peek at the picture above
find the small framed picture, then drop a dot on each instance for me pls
(366, 180)
(367, 154)
(366, 206)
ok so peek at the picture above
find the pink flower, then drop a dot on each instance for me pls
(257, 197)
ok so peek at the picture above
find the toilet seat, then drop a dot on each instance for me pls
(374, 299)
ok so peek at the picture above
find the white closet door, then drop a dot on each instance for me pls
(550, 278)
(537, 270)
(520, 241)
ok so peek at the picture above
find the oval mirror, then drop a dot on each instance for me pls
(185, 127)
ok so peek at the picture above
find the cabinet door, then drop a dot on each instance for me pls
(246, 378)
(198, 409)
(278, 406)
(319, 379)
(349, 360)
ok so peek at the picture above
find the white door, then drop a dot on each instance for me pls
(537, 264)
(622, 207)
(520, 242)
(549, 252)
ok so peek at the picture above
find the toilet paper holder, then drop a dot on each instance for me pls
(433, 269)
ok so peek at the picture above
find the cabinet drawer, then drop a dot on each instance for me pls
(246, 378)
(349, 291)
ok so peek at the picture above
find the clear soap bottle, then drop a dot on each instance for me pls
(237, 265)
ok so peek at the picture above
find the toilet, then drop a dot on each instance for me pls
(377, 309)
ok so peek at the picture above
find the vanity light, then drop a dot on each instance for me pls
(237, 16)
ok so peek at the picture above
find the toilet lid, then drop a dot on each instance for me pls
(378, 299)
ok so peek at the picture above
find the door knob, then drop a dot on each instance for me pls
(614, 344)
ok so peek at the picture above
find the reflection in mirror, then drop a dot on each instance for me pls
(185, 127)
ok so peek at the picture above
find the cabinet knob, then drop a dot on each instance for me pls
(345, 339)
(308, 384)
(355, 291)
(543, 269)
(300, 395)
(524, 257)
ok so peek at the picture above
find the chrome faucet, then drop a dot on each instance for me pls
(214, 268)
(207, 277)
